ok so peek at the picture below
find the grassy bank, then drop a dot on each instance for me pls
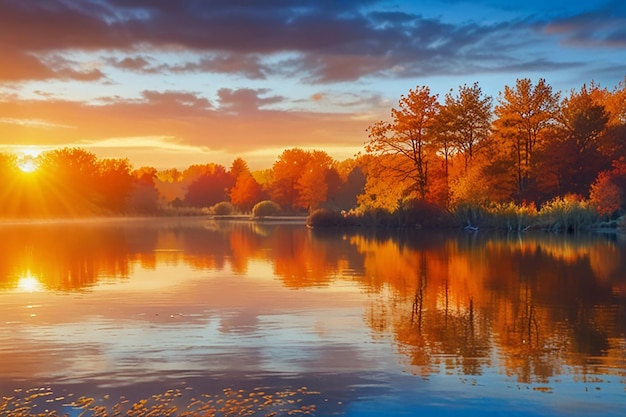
(558, 215)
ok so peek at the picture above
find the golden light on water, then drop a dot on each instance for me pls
(29, 283)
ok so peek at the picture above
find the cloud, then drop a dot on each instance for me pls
(133, 63)
(245, 100)
(249, 66)
(329, 42)
(604, 26)
(239, 125)
(279, 73)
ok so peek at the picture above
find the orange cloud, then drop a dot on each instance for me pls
(184, 123)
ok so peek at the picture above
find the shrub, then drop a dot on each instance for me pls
(265, 208)
(605, 196)
(326, 218)
(223, 208)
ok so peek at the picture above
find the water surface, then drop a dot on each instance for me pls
(265, 318)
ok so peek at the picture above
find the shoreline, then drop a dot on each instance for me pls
(145, 219)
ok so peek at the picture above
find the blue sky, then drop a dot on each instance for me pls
(170, 83)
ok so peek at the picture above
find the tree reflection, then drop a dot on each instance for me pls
(535, 300)
(538, 304)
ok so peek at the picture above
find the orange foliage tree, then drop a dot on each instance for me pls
(246, 192)
(404, 146)
(605, 195)
(466, 120)
(116, 183)
(298, 178)
(69, 182)
(524, 114)
(582, 123)
(210, 188)
(312, 185)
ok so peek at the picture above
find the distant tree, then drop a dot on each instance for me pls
(246, 192)
(286, 172)
(115, 183)
(210, 188)
(144, 198)
(351, 189)
(71, 182)
(169, 184)
(14, 190)
(402, 145)
(311, 185)
(238, 167)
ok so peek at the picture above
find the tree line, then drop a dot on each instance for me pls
(529, 147)
(74, 182)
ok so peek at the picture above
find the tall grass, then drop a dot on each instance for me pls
(568, 213)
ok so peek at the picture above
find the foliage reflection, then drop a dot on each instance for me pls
(535, 305)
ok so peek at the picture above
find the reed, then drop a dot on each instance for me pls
(568, 213)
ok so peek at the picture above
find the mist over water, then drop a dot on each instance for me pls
(192, 312)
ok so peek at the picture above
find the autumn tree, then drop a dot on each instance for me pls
(71, 181)
(168, 183)
(312, 185)
(345, 181)
(582, 122)
(15, 190)
(523, 115)
(115, 183)
(246, 192)
(285, 174)
(210, 188)
(465, 119)
(401, 146)
(238, 167)
(612, 143)
(379, 191)
(605, 196)
(144, 198)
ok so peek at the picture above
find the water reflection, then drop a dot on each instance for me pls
(184, 297)
(540, 302)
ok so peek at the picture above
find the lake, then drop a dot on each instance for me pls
(184, 316)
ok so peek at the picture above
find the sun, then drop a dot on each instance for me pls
(27, 159)
(26, 164)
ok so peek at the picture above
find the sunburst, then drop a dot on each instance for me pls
(28, 159)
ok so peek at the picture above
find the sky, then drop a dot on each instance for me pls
(170, 83)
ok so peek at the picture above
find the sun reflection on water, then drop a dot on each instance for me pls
(29, 283)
